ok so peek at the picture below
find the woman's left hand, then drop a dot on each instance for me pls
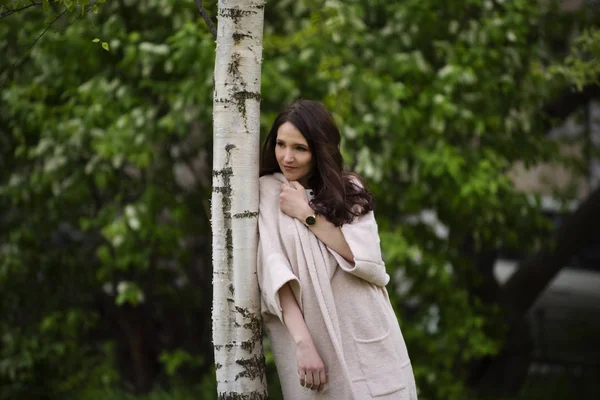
(293, 201)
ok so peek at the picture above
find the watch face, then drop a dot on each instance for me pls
(310, 220)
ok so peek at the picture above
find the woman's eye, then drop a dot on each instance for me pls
(301, 148)
(280, 144)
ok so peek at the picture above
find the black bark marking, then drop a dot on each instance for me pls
(254, 324)
(245, 95)
(240, 101)
(235, 14)
(227, 171)
(243, 396)
(244, 311)
(253, 367)
(248, 345)
(226, 191)
(229, 247)
(246, 214)
(238, 37)
(221, 189)
(234, 66)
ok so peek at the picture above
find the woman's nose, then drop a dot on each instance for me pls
(288, 156)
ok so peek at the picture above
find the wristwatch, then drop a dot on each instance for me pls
(310, 220)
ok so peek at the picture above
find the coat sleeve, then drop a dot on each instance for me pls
(273, 267)
(362, 237)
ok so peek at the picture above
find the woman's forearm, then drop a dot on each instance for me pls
(333, 237)
(292, 316)
(329, 234)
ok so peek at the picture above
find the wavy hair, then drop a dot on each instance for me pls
(339, 195)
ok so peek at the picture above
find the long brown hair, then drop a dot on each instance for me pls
(339, 195)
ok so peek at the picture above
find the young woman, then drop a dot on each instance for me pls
(332, 328)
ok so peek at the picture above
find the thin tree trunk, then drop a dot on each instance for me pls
(237, 334)
(537, 271)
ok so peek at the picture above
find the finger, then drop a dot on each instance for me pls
(296, 185)
(309, 379)
(316, 380)
(302, 376)
(322, 380)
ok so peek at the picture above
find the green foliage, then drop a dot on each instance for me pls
(105, 147)
(205, 391)
(95, 221)
(175, 359)
(104, 45)
(582, 66)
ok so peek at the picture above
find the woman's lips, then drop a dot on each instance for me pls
(289, 169)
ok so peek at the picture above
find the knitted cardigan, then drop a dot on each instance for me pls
(346, 307)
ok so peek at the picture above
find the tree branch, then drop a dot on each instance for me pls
(535, 272)
(80, 14)
(207, 19)
(33, 44)
(90, 7)
(10, 12)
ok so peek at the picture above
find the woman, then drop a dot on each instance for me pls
(332, 328)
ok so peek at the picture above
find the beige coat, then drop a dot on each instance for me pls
(346, 308)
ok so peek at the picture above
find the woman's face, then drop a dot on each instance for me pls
(293, 154)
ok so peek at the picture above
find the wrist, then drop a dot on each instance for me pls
(303, 341)
(305, 212)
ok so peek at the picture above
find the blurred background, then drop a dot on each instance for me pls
(476, 124)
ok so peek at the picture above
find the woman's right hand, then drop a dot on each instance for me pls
(311, 369)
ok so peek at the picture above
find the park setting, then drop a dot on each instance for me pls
(130, 140)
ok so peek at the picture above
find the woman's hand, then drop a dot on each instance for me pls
(311, 369)
(294, 202)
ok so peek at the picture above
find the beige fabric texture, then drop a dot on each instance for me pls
(346, 308)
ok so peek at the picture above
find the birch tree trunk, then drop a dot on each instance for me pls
(237, 334)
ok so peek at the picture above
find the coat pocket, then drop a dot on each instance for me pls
(382, 367)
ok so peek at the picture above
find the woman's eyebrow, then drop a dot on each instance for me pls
(292, 144)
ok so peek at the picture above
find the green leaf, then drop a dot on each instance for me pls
(129, 292)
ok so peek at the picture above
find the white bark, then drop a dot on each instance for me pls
(237, 335)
